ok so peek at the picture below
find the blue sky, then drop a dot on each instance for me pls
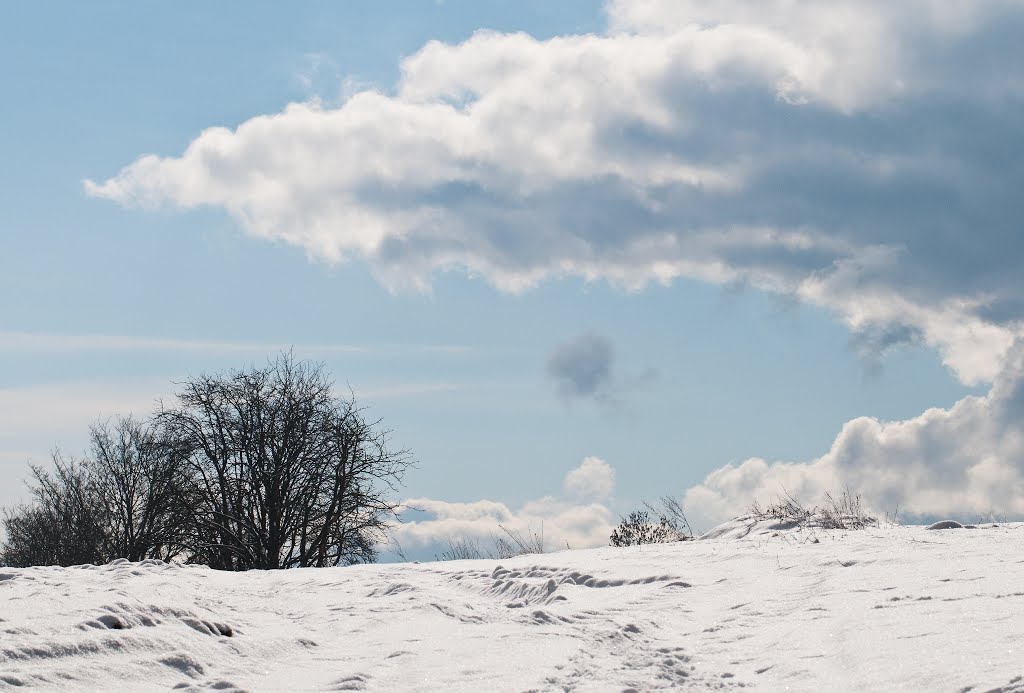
(698, 242)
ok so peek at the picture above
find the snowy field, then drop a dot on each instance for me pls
(893, 608)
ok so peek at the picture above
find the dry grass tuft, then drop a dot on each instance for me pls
(845, 512)
(513, 543)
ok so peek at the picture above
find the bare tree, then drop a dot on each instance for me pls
(140, 488)
(280, 472)
(63, 525)
(257, 468)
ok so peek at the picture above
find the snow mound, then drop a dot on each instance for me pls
(749, 526)
(950, 524)
(755, 526)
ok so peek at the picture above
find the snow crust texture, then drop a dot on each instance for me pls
(889, 608)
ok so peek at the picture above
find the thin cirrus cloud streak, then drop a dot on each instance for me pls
(418, 389)
(69, 407)
(43, 413)
(38, 342)
(860, 155)
(39, 418)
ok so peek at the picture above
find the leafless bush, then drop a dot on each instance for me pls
(671, 511)
(122, 501)
(64, 523)
(655, 525)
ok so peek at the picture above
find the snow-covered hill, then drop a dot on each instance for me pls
(893, 608)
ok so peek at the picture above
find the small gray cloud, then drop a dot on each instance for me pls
(583, 367)
(874, 343)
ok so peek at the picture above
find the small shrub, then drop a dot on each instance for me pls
(653, 525)
(64, 524)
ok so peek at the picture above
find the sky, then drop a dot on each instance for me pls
(574, 255)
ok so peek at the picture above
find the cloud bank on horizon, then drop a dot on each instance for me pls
(579, 518)
(862, 156)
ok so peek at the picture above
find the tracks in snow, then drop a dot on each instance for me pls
(608, 618)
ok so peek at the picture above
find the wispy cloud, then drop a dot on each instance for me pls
(405, 390)
(41, 342)
(57, 409)
(36, 418)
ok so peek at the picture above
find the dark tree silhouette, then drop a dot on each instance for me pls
(281, 473)
(256, 468)
(141, 489)
(63, 525)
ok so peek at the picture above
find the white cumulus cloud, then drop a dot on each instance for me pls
(860, 155)
(593, 479)
(966, 461)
